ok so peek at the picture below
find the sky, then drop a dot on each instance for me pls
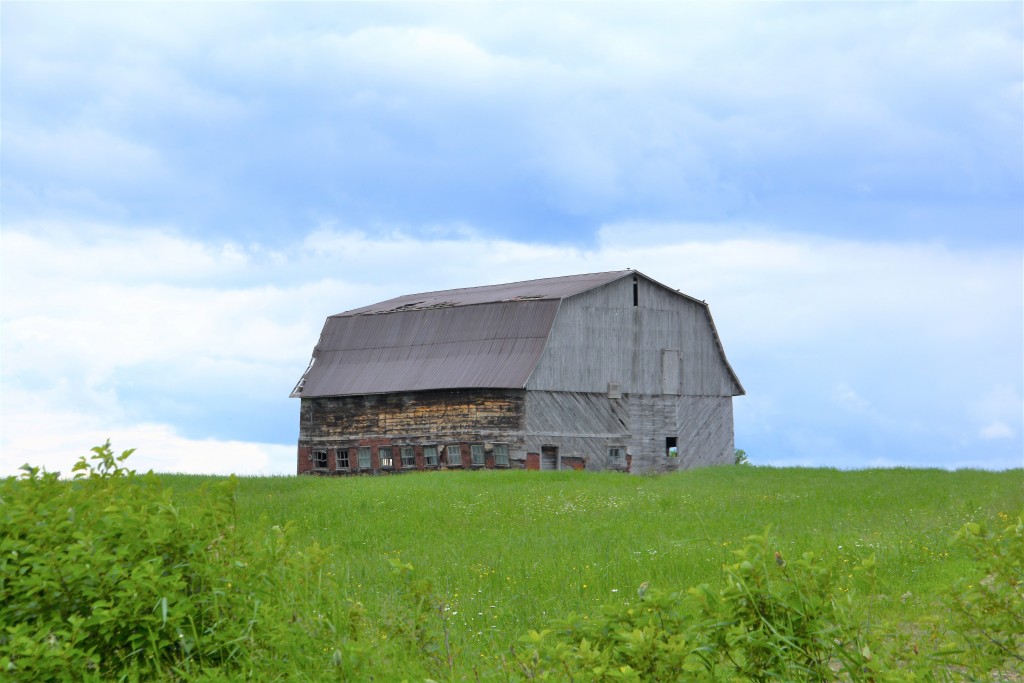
(188, 190)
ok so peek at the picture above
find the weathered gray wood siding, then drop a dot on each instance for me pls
(581, 425)
(586, 425)
(652, 418)
(600, 337)
(705, 431)
(702, 426)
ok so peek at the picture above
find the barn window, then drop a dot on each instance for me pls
(501, 455)
(386, 461)
(671, 447)
(364, 457)
(320, 459)
(454, 455)
(616, 455)
(430, 456)
(476, 453)
(341, 459)
(408, 456)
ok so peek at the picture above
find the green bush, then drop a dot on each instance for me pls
(778, 619)
(652, 639)
(771, 620)
(987, 629)
(104, 576)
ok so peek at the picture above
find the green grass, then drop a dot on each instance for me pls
(512, 549)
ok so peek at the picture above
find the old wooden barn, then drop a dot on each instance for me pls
(598, 371)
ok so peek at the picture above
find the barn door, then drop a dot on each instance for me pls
(549, 458)
(670, 372)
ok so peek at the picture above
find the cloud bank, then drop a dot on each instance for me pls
(859, 120)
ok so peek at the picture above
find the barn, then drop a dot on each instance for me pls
(603, 371)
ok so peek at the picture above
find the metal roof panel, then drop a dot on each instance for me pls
(495, 346)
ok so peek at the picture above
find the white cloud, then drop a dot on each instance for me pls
(37, 433)
(103, 253)
(997, 430)
(846, 397)
(892, 298)
(998, 408)
(615, 79)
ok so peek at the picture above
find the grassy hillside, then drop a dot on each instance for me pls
(510, 550)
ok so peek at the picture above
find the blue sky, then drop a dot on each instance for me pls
(189, 189)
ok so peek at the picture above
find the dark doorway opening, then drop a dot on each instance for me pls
(549, 458)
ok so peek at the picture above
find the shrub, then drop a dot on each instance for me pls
(772, 620)
(778, 619)
(104, 576)
(987, 625)
(652, 639)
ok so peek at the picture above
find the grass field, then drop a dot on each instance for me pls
(511, 549)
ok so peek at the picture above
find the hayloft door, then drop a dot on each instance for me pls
(670, 372)
(549, 458)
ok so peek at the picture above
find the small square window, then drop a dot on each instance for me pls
(616, 455)
(476, 454)
(341, 459)
(364, 458)
(454, 455)
(386, 461)
(430, 456)
(501, 454)
(320, 459)
(408, 456)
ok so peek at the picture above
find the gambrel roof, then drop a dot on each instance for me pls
(474, 337)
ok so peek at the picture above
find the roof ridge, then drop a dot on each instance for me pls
(537, 289)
